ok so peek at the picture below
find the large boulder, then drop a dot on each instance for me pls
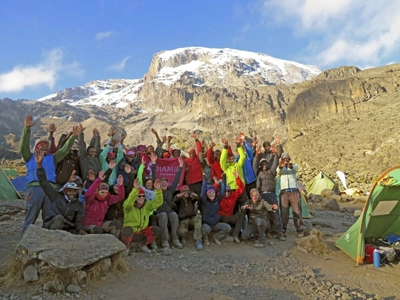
(64, 250)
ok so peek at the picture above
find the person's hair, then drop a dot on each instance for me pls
(254, 190)
(90, 147)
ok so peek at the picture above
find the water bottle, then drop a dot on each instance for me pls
(377, 259)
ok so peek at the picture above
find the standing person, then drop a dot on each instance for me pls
(194, 168)
(108, 154)
(228, 165)
(266, 185)
(211, 218)
(258, 221)
(189, 215)
(227, 207)
(35, 198)
(89, 157)
(290, 195)
(165, 213)
(213, 157)
(269, 152)
(136, 217)
(250, 177)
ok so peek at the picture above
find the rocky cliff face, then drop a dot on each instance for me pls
(343, 118)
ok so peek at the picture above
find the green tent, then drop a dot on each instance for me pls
(11, 173)
(380, 216)
(7, 190)
(322, 182)
(305, 213)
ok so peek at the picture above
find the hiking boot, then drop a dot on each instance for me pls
(300, 234)
(260, 243)
(236, 239)
(199, 245)
(177, 244)
(269, 236)
(205, 240)
(229, 239)
(217, 241)
(183, 241)
(281, 236)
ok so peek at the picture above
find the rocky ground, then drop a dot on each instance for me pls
(282, 270)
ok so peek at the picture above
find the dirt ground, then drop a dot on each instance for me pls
(231, 271)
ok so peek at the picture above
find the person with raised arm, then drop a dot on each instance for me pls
(194, 168)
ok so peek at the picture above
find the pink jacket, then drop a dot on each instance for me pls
(95, 210)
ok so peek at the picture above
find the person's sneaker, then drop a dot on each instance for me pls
(229, 239)
(166, 251)
(269, 236)
(217, 241)
(144, 248)
(154, 245)
(236, 240)
(199, 245)
(281, 236)
(183, 241)
(205, 240)
(260, 244)
(300, 234)
(177, 244)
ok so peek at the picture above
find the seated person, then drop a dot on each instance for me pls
(66, 212)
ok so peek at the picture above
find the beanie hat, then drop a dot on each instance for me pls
(141, 148)
(70, 185)
(103, 186)
(211, 187)
(263, 160)
(130, 152)
(110, 155)
(185, 187)
(40, 141)
(141, 191)
(166, 154)
(285, 155)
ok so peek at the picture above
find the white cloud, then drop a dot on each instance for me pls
(120, 66)
(342, 31)
(45, 73)
(103, 35)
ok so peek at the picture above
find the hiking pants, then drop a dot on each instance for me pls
(143, 237)
(194, 221)
(259, 226)
(221, 230)
(274, 216)
(163, 218)
(236, 220)
(55, 223)
(113, 227)
(36, 200)
(291, 199)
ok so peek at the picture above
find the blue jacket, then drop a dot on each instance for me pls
(248, 172)
(48, 166)
(210, 208)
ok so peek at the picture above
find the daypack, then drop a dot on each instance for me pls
(369, 254)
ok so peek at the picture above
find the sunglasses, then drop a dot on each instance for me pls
(141, 196)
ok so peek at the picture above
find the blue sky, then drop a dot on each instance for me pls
(49, 45)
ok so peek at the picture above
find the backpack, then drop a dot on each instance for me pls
(369, 254)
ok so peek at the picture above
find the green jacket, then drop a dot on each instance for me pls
(230, 168)
(104, 163)
(138, 218)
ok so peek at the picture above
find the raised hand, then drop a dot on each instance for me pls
(154, 131)
(136, 184)
(112, 131)
(237, 140)
(236, 173)
(258, 150)
(153, 158)
(76, 130)
(212, 144)
(242, 136)
(91, 176)
(72, 177)
(102, 175)
(39, 155)
(180, 160)
(164, 139)
(112, 164)
(194, 136)
(29, 121)
(157, 184)
(169, 138)
(120, 180)
(255, 140)
(128, 168)
(52, 128)
(224, 141)
(81, 128)
(278, 140)
(95, 132)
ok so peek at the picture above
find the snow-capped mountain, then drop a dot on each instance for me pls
(193, 67)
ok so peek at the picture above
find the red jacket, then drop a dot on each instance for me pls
(95, 210)
(194, 168)
(215, 165)
(227, 204)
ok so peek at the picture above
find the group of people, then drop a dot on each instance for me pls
(222, 194)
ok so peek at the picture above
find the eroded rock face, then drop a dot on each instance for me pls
(63, 250)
